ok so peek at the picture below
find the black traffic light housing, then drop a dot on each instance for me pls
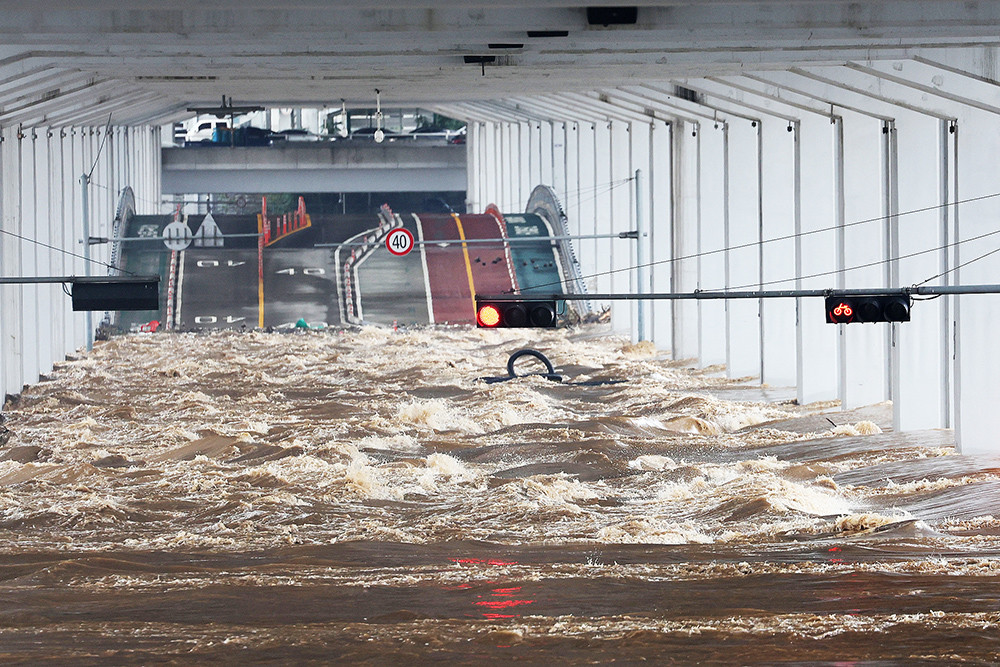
(846, 309)
(116, 293)
(515, 313)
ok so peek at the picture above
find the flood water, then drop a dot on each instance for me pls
(363, 496)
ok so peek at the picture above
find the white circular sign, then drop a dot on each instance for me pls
(399, 241)
(176, 236)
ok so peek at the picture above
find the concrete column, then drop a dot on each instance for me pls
(713, 208)
(742, 237)
(620, 220)
(777, 258)
(50, 296)
(559, 159)
(524, 165)
(640, 150)
(585, 196)
(30, 306)
(864, 353)
(660, 222)
(545, 156)
(602, 207)
(511, 196)
(571, 183)
(919, 397)
(816, 260)
(10, 261)
(474, 188)
(686, 213)
(977, 317)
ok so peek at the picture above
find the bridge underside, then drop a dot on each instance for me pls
(817, 144)
(321, 167)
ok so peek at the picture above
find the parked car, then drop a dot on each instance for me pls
(205, 133)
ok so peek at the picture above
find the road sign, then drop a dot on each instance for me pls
(176, 235)
(399, 241)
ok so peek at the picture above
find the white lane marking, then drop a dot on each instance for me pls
(180, 287)
(423, 263)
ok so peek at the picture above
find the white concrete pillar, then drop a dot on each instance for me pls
(621, 219)
(684, 142)
(50, 296)
(525, 184)
(603, 211)
(559, 159)
(919, 396)
(742, 239)
(977, 317)
(586, 210)
(10, 264)
(30, 305)
(712, 242)
(660, 222)
(816, 260)
(778, 256)
(864, 352)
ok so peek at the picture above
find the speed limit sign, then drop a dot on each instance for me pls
(399, 241)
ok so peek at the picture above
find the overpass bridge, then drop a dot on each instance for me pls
(337, 166)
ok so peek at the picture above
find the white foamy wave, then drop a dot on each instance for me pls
(437, 415)
(651, 531)
(396, 443)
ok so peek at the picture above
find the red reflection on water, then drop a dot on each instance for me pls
(500, 598)
(482, 561)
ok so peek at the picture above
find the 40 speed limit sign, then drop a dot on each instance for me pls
(399, 241)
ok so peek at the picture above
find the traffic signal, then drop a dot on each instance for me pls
(521, 313)
(867, 308)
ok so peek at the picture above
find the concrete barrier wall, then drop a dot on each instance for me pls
(41, 215)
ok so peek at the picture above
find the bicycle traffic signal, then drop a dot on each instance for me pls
(867, 308)
(501, 314)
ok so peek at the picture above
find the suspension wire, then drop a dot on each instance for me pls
(955, 268)
(65, 252)
(787, 237)
(870, 264)
(107, 131)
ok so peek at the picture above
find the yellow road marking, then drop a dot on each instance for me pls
(260, 277)
(468, 262)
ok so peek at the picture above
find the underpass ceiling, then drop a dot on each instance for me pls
(147, 62)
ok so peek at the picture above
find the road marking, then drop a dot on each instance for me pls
(468, 262)
(423, 263)
(179, 291)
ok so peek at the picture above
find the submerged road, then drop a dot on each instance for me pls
(221, 287)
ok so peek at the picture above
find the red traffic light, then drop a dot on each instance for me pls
(841, 313)
(503, 314)
(488, 316)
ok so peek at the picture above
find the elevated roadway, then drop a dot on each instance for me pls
(340, 166)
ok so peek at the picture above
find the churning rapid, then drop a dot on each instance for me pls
(366, 496)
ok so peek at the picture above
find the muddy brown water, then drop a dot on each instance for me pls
(363, 497)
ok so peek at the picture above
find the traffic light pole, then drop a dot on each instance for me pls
(931, 290)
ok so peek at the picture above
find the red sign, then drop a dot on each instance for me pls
(399, 241)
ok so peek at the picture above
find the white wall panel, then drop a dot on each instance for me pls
(41, 201)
